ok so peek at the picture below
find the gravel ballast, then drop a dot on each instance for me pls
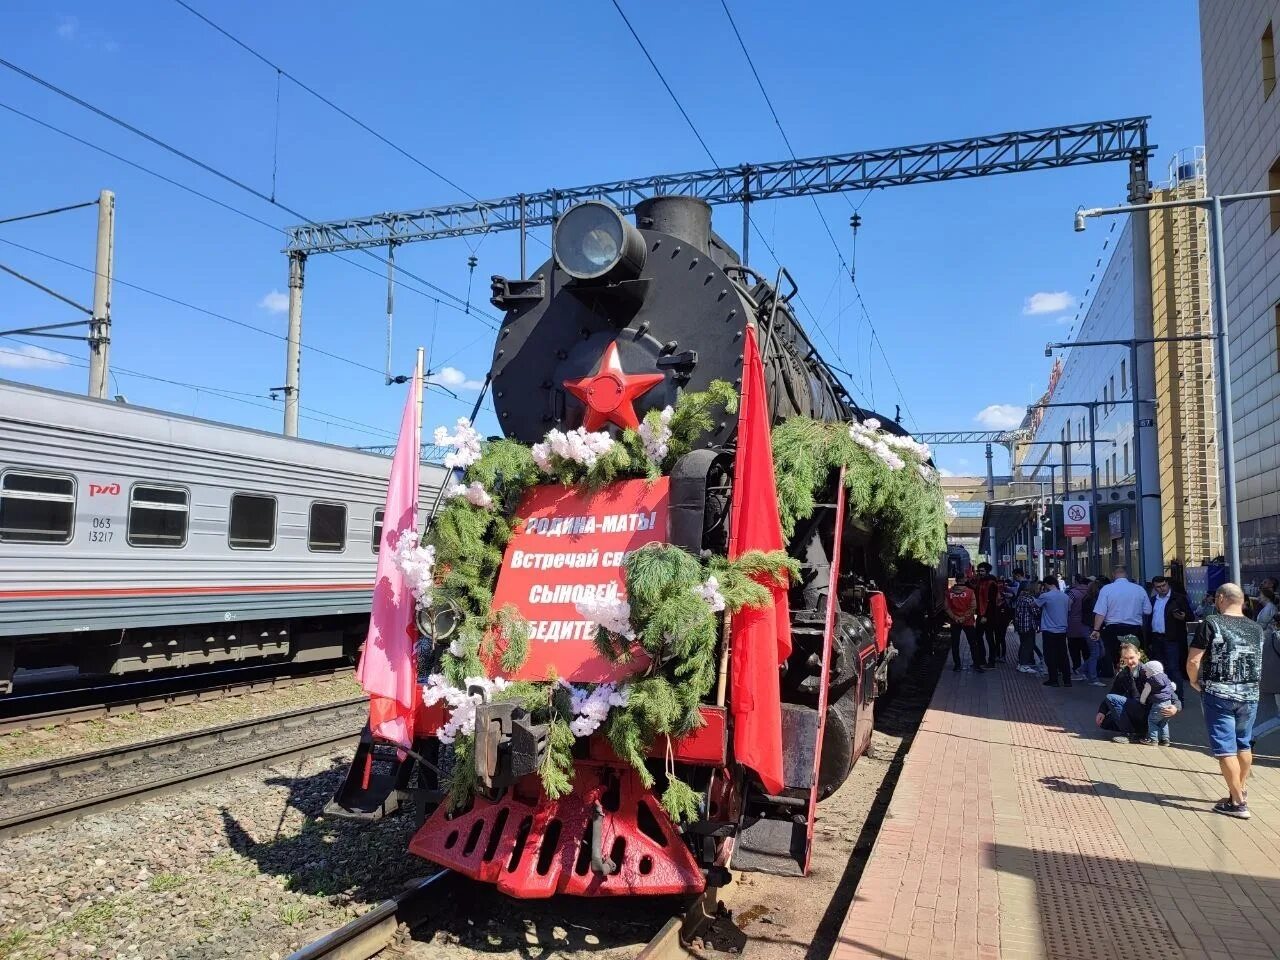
(247, 868)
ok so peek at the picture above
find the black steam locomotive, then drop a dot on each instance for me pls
(614, 325)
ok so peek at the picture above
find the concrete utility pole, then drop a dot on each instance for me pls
(100, 321)
(293, 356)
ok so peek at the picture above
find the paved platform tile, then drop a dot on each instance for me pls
(1016, 831)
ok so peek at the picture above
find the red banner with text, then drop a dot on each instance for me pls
(568, 547)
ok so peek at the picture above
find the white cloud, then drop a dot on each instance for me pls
(944, 472)
(1000, 416)
(275, 302)
(1039, 303)
(68, 27)
(454, 379)
(26, 357)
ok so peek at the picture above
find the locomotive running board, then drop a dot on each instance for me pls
(784, 846)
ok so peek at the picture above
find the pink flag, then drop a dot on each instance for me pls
(387, 669)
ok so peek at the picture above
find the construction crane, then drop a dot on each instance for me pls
(1015, 152)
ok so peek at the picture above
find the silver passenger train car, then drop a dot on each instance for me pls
(137, 540)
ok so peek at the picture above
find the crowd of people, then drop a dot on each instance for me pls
(1136, 641)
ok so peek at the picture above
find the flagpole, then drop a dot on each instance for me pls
(417, 420)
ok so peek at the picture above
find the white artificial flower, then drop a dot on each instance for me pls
(474, 492)
(416, 564)
(710, 592)
(949, 509)
(461, 701)
(575, 446)
(465, 442)
(542, 456)
(612, 613)
(657, 441)
(591, 705)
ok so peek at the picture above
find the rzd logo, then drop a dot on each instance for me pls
(107, 490)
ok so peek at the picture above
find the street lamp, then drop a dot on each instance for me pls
(1217, 263)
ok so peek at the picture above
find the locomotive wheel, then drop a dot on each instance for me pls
(838, 749)
(851, 634)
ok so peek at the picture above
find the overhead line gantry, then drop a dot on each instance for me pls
(1021, 151)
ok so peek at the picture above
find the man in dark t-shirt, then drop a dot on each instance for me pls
(1225, 665)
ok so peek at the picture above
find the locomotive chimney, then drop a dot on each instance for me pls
(686, 218)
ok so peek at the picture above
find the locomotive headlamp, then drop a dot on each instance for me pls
(593, 242)
(438, 622)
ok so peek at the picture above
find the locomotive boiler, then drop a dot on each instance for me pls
(619, 322)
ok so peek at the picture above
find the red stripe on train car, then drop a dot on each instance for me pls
(180, 591)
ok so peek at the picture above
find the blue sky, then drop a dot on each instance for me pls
(963, 281)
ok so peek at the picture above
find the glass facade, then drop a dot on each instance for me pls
(1096, 374)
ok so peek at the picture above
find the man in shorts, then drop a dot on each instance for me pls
(1225, 665)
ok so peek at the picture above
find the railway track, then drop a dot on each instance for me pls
(383, 927)
(144, 695)
(177, 762)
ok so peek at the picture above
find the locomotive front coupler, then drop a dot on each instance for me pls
(509, 745)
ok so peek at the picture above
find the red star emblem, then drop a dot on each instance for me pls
(610, 393)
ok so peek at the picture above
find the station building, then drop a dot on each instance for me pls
(1242, 142)
(1183, 507)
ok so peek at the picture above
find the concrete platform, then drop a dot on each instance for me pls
(1017, 831)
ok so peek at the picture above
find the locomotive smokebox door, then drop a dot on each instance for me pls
(618, 321)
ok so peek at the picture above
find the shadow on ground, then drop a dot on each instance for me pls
(358, 863)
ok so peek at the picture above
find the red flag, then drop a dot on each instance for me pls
(760, 639)
(387, 670)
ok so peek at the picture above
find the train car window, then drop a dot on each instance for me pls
(376, 541)
(327, 530)
(36, 508)
(253, 522)
(157, 516)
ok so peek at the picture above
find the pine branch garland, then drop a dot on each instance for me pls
(673, 622)
(680, 800)
(556, 771)
(905, 506)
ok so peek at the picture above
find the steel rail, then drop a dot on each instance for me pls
(370, 933)
(14, 779)
(225, 688)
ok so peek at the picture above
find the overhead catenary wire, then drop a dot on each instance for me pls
(778, 123)
(875, 337)
(712, 157)
(307, 88)
(457, 302)
(187, 188)
(46, 213)
(325, 100)
(320, 416)
(196, 307)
